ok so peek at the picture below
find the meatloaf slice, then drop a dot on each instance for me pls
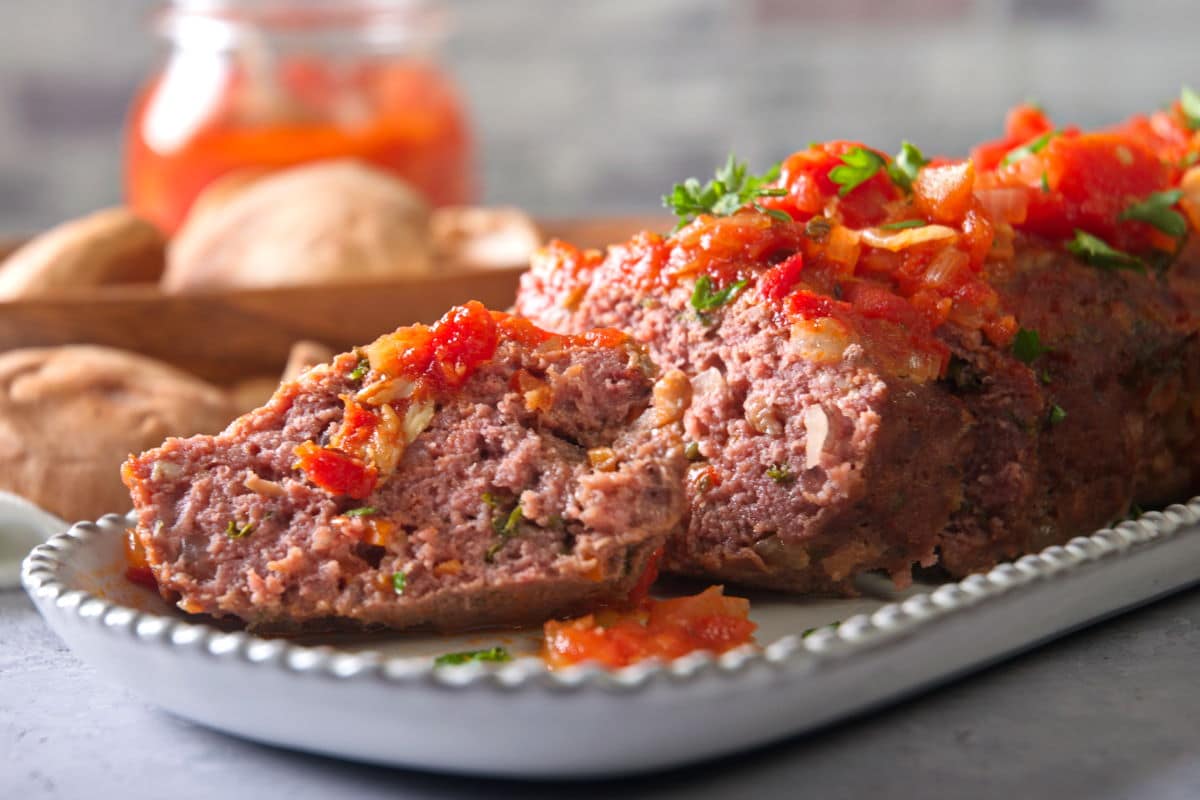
(820, 448)
(476, 472)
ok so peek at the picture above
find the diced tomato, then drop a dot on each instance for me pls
(461, 342)
(945, 194)
(1023, 124)
(809, 305)
(663, 629)
(335, 471)
(777, 282)
(649, 575)
(137, 564)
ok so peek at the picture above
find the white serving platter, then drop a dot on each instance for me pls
(381, 699)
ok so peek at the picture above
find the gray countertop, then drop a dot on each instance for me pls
(1111, 712)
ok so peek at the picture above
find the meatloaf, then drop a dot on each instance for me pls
(476, 472)
(901, 361)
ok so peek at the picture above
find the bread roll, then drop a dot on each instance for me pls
(70, 415)
(477, 237)
(109, 246)
(328, 222)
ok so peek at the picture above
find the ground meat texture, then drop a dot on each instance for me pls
(500, 511)
(805, 471)
(817, 459)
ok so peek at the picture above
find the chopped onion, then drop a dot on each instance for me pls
(899, 240)
(387, 441)
(760, 413)
(1005, 204)
(672, 395)
(417, 418)
(816, 430)
(709, 382)
(821, 340)
(843, 245)
(387, 391)
(945, 266)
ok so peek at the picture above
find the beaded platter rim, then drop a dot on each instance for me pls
(44, 576)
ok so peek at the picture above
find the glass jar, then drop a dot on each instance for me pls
(251, 86)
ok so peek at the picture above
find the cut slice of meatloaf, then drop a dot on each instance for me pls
(819, 448)
(476, 472)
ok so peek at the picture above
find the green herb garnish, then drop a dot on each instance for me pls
(1027, 346)
(507, 526)
(1189, 160)
(903, 224)
(360, 371)
(1057, 414)
(1189, 102)
(704, 299)
(490, 654)
(858, 166)
(691, 451)
(731, 189)
(780, 473)
(1156, 210)
(365, 511)
(904, 168)
(235, 530)
(1028, 149)
(1045, 183)
(489, 499)
(1097, 252)
(399, 581)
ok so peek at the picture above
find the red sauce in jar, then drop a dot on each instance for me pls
(401, 116)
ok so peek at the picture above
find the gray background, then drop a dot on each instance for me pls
(590, 107)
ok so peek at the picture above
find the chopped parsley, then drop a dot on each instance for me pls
(780, 473)
(904, 168)
(691, 451)
(903, 225)
(704, 299)
(234, 530)
(365, 511)
(1028, 149)
(1027, 346)
(1098, 253)
(1057, 414)
(1156, 210)
(731, 189)
(360, 371)
(506, 526)
(1189, 160)
(1045, 183)
(490, 654)
(399, 582)
(489, 499)
(858, 166)
(1189, 103)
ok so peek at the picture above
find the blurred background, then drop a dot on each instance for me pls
(584, 108)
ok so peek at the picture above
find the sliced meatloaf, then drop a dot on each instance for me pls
(908, 361)
(476, 472)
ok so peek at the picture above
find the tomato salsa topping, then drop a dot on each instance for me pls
(665, 629)
(397, 383)
(848, 241)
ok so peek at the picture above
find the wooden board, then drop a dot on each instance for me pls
(228, 335)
